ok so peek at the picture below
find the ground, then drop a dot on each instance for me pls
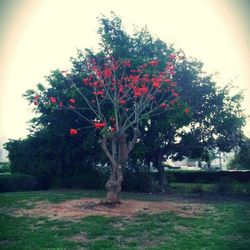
(75, 219)
(80, 208)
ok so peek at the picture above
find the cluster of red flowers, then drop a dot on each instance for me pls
(172, 56)
(99, 125)
(170, 68)
(52, 100)
(137, 82)
(107, 73)
(73, 131)
(153, 63)
(145, 83)
(127, 63)
(72, 101)
(122, 102)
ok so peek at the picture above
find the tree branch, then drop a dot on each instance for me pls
(134, 140)
(106, 151)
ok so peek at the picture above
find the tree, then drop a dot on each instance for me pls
(214, 121)
(133, 83)
(242, 157)
(219, 128)
(117, 96)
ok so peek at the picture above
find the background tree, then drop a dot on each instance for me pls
(213, 117)
(242, 156)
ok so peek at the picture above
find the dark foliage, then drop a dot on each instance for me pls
(17, 182)
(209, 177)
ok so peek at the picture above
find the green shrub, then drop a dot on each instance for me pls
(5, 167)
(208, 176)
(140, 181)
(17, 182)
(225, 185)
(90, 179)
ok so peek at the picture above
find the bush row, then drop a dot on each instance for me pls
(208, 176)
(139, 181)
(17, 182)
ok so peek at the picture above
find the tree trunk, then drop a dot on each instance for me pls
(162, 178)
(114, 184)
(209, 165)
(163, 181)
(118, 158)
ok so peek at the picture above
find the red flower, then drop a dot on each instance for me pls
(156, 85)
(71, 107)
(36, 102)
(101, 92)
(60, 104)
(107, 73)
(186, 110)
(52, 99)
(153, 63)
(163, 105)
(122, 102)
(169, 66)
(137, 94)
(99, 125)
(172, 103)
(143, 90)
(127, 63)
(113, 129)
(72, 101)
(172, 56)
(37, 97)
(73, 131)
(85, 81)
(175, 94)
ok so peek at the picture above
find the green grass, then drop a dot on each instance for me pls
(227, 226)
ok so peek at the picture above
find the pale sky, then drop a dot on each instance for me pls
(37, 36)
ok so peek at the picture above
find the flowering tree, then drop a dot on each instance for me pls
(117, 98)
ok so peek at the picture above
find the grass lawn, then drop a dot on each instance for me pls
(226, 226)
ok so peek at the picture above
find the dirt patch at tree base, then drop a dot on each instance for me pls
(77, 209)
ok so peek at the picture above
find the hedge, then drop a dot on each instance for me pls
(208, 176)
(17, 182)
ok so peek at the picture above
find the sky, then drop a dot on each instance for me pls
(37, 36)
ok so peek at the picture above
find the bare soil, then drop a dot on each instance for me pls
(77, 209)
